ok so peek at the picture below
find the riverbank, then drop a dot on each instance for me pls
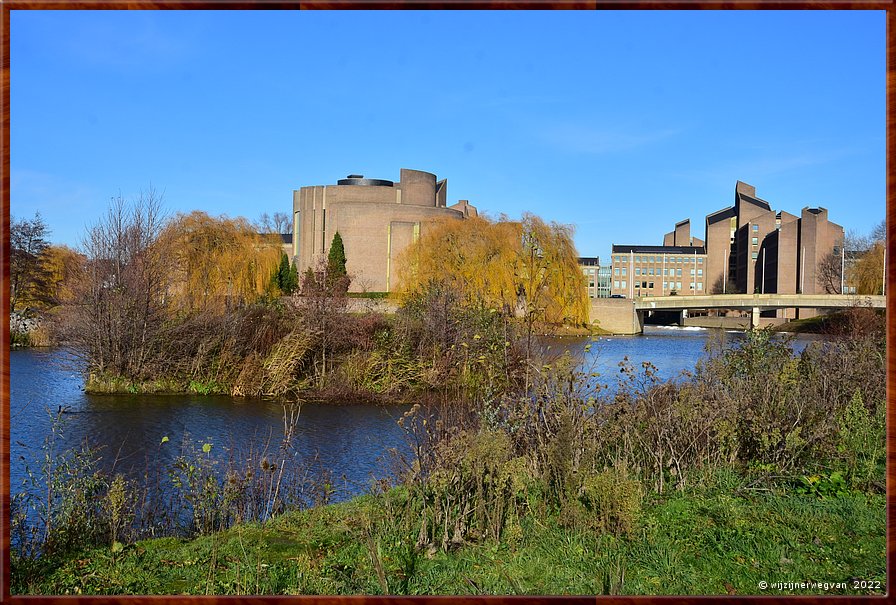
(830, 323)
(727, 539)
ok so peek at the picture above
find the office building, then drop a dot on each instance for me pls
(748, 248)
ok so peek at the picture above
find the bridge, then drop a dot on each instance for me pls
(626, 316)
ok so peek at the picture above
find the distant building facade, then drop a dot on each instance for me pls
(590, 266)
(377, 219)
(749, 248)
(658, 270)
(604, 281)
(598, 277)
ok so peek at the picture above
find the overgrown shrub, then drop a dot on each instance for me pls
(473, 492)
(861, 440)
(612, 499)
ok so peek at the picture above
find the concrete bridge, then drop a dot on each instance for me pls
(626, 316)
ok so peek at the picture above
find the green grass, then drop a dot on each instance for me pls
(819, 324)
(110, 384)
(810, 325)
(704, 542)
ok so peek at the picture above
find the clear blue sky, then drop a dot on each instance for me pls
(620, 122)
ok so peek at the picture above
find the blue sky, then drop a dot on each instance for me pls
(621, 123)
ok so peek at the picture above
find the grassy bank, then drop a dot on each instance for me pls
(722, 539)
(838, 322)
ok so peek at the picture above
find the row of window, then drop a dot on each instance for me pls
(658, 259)
(670, 285)
(650, 271)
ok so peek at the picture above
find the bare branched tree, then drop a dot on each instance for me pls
(721, 287)
(119, 305)
(322, 304)
(278, 223)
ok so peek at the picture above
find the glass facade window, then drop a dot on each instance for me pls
(637, 270)
(755, 241)
(650, 271)
(692, 273)
(755, 255)
(699, 272)
(624, 271)
(665, 285)
(678, 272)
(699, 285)
(678, 285)
(623, 283)
(616, 283)
(755, 227)
(616, 271)
(700, 260)
(650, 285)
(637, 259)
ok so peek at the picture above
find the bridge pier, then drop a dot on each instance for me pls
(754, 318)
(638, 327)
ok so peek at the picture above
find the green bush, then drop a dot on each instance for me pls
(613, 500)
(861, 440)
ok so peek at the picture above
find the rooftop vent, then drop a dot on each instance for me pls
(355, 176)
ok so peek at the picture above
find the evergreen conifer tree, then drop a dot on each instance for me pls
(283, 274)
(336, 258)
(293, 278)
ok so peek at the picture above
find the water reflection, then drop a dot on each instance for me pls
(349, 442)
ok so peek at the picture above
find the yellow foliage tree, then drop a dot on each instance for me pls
(525, 268)
(62, 265)
(868, 272)
(217, 261)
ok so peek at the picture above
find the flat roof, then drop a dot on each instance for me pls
(625, 249)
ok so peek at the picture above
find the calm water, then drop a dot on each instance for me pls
(349, 441)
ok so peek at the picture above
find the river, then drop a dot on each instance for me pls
(348, 442)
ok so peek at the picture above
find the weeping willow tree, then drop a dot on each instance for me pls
(868, 270)
(218, 261)
(525, 268)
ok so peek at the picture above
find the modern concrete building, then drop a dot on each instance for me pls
(658, 270)
(604, 281)
(598, 277)
(590, 266)
(682, 235)
(749, 248)
(768, 252)
(377, 219)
